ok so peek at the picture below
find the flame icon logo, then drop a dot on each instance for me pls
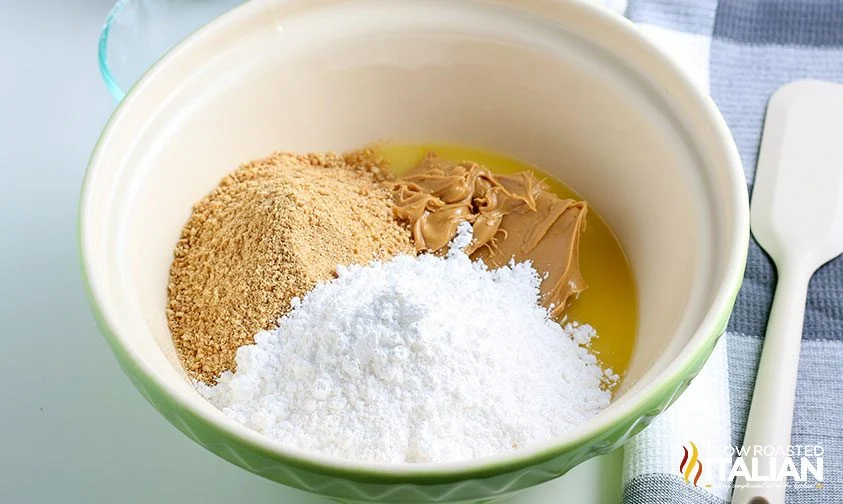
(690, 461)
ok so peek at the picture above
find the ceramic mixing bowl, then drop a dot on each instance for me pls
(567, 86)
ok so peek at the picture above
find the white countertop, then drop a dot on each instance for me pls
(72, 427)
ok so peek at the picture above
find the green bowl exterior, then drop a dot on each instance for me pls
(487, 483)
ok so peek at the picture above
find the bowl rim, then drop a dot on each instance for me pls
(669, 380)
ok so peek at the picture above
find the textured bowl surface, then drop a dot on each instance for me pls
(569, 87)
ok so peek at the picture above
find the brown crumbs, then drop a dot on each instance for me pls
(269, 232)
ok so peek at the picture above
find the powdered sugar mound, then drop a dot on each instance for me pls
(419, 359)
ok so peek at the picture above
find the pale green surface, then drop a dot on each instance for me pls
(72, 428)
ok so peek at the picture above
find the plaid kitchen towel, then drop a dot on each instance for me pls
(741, 51)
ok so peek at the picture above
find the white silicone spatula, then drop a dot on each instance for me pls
(797, 217)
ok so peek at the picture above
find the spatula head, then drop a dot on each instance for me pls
(797, 201)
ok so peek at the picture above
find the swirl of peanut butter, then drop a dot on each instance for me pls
(512, 216)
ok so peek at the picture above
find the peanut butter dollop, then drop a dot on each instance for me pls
(512, 216)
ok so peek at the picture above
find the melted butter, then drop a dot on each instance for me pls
(609, 304)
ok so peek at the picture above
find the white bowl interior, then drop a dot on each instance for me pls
(337, 75)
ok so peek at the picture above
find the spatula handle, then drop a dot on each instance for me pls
(771, 414)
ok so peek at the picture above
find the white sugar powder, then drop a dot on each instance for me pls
(419, 359)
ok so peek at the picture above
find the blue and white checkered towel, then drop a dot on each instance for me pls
(740, 51)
